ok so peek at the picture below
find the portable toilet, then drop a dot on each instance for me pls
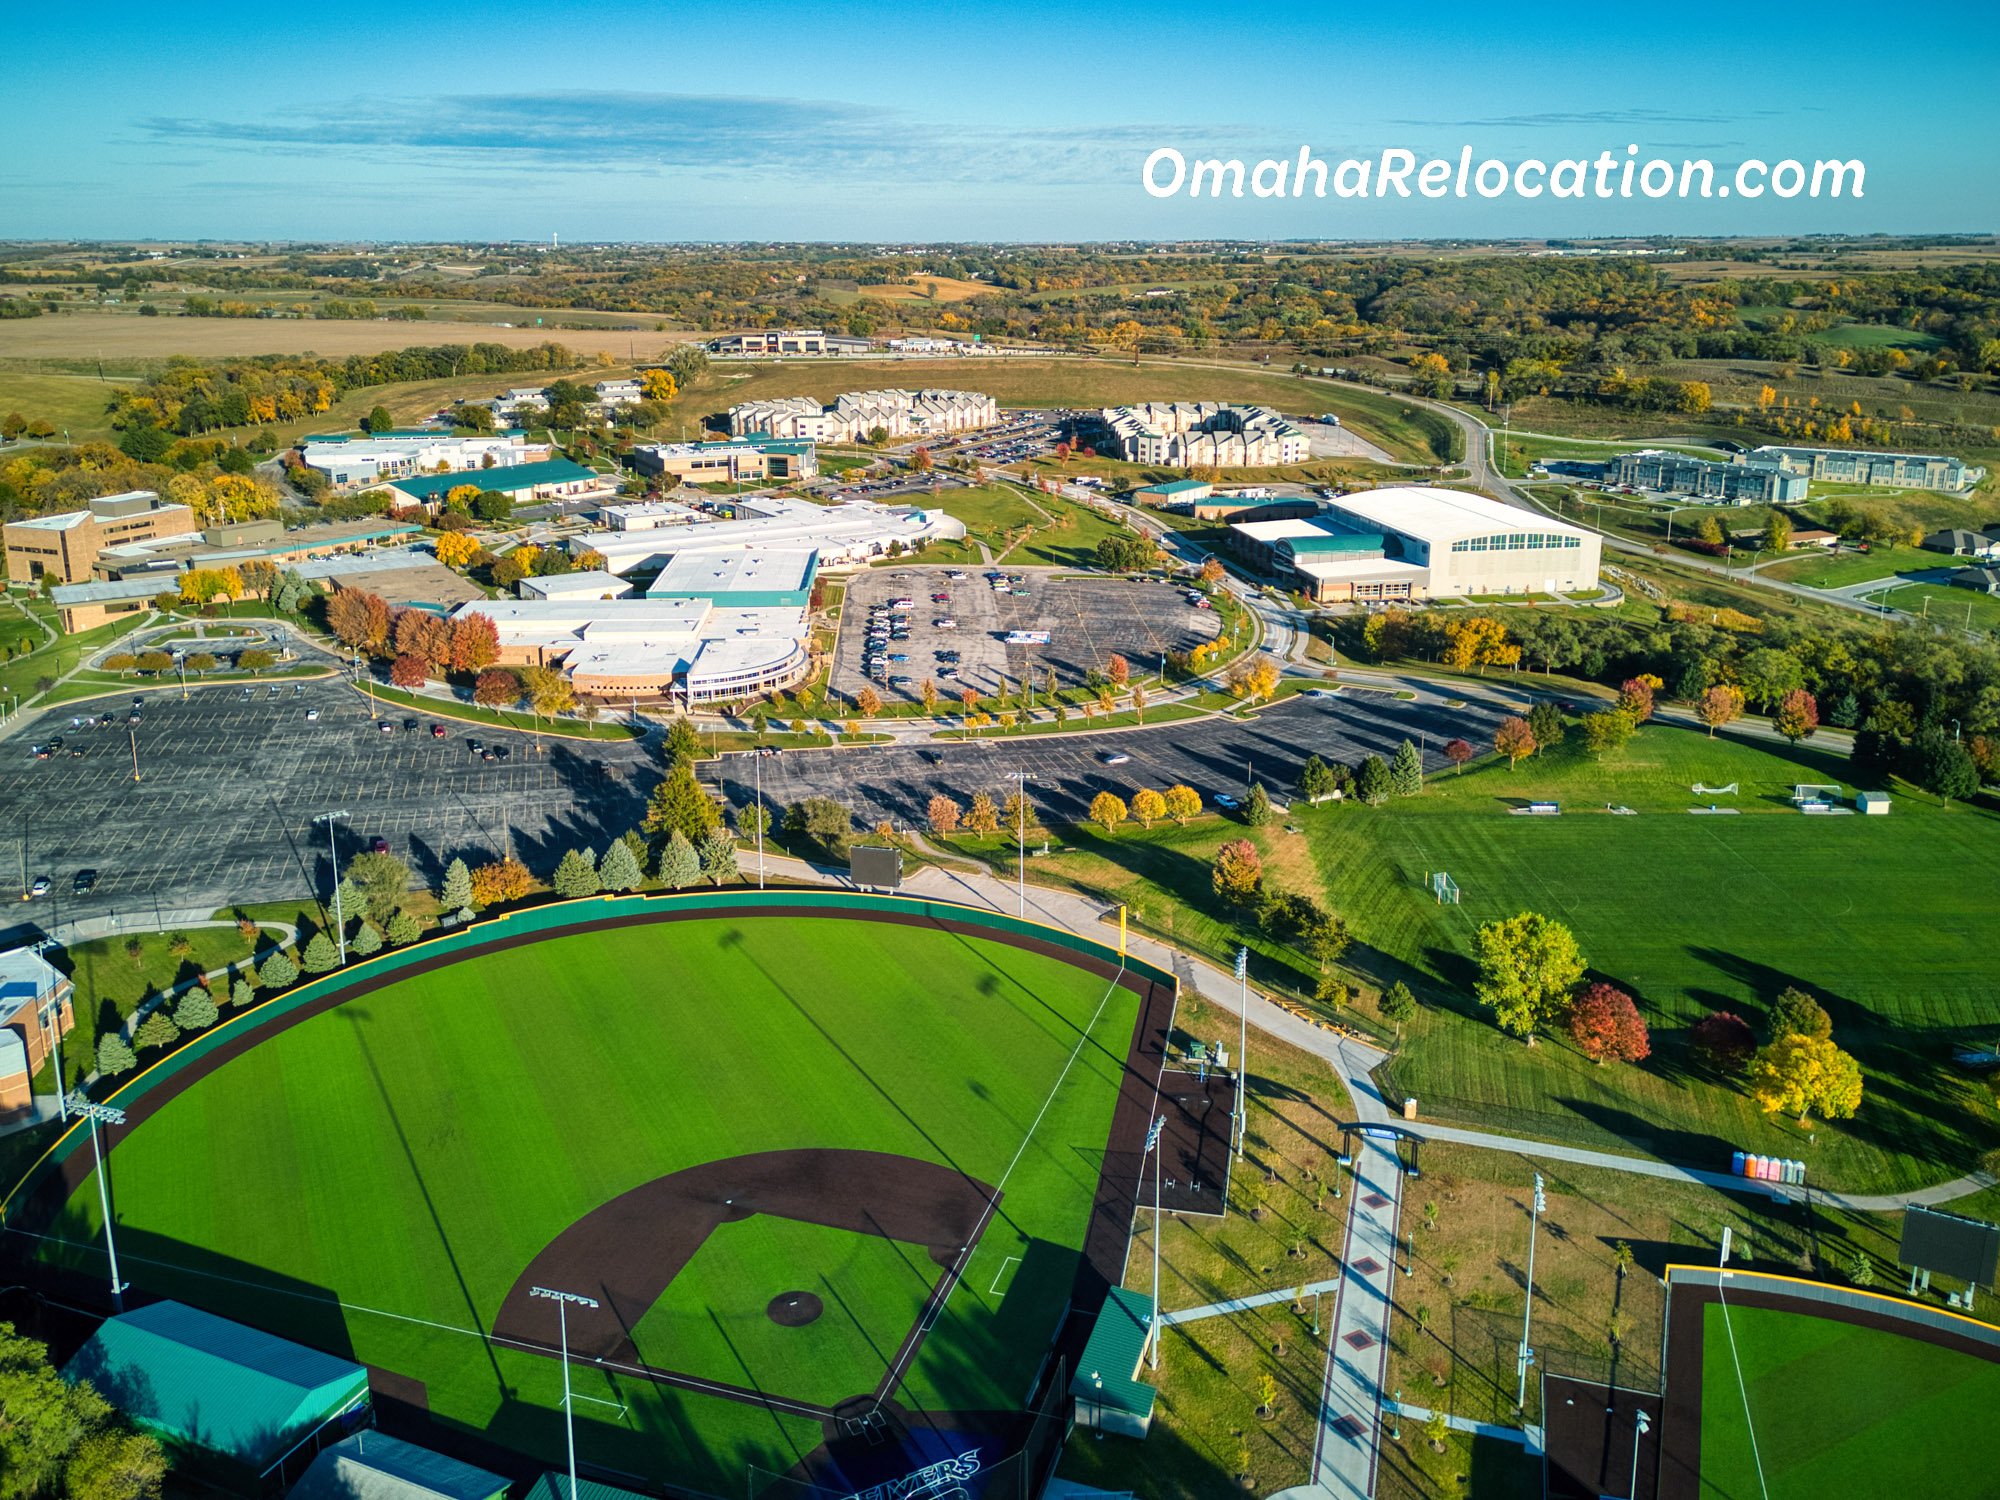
(1736, 1164)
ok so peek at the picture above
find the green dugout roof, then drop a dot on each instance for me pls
(556, 1487)
(197, 1381)
(508, 479)
(1108, 1373)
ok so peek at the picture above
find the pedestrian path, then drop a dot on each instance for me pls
(1244, 1304)
(1528, 1437)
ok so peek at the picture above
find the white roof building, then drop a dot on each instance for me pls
(843, 535)
(366, 460)
(591, 583)
(647, 515)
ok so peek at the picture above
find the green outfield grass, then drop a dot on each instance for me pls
(1837, 1409)
(376, 1178)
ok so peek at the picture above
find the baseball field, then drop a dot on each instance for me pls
(802, 1164)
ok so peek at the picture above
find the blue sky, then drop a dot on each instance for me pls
(1021, 121)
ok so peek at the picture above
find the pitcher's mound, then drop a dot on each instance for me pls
(794, 1309)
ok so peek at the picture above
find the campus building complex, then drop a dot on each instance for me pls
(351, 460)
(853, 416)
(849, 535)
(1916, 471)
(1734, 483)
(1202, 434)
(758, 461)
(66, 547)
(1405, 542)
(550, 479)
(769, 341)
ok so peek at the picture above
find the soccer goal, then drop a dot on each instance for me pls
(1444, 888)
(1815, 794)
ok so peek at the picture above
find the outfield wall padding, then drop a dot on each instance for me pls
(140, 1095)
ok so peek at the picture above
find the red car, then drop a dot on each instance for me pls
(437, 731)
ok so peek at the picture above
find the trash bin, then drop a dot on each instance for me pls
(1410, 1107)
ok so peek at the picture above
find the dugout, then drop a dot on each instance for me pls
(1110, 1396)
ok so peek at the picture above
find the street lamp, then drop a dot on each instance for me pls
(760, 819)
(333, 857)
(1021, 780)
(1641, 1425)
(1526, 1355)
(1242, 1046)
(1159, 1215)
(562, 1301)
(101, 1114)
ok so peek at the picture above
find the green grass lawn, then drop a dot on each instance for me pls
(1820, 570)
(1827, 1408)
(1882, 917)
(53, 658)
(411, 1150)
(1965, 609)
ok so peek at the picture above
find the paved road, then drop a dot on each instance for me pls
(229, 787)
(1212, 755)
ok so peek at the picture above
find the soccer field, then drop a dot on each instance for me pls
(375, 1179)
(1838, 1409)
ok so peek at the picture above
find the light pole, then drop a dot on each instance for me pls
(134, 733)
(1641, 1425)
(1522, 1359)
(562, 1301)
(1159, 1217)
(333, 857)
(1021, 780)
(760, 820)
(102, 1114)
(1242, 1045)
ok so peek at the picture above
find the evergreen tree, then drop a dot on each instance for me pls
(679, 805)
(1545, 721)
(1371, 782)
(1315, 779)
(1844, 712)
(752, 818)
(157, 1030)
(718, 856)
(1257, 811)
(620, 870)
(321, 956)
(576, 875)
(403, 929)
(1398, 1004)
(196, 1012)
(368, 939)
(456, 893)
(242, 993)
(1406, 772)
(278, 972)
(349, 902)
(115, 1054)
(680, 865)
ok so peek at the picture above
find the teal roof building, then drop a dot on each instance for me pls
(241, 1408)
(508, 479)
(1109, 1394)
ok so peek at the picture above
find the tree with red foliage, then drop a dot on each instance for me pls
(496, 688)
(1723, 1040)
(1608, 1027)
(1635, 697)
(475, 643)
(359, 619)
(1458, 753)
(1797, 716)
(1117, 669)
(409, 670)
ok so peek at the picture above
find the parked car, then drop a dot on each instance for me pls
(386, 727)
(1113, 757)
(378, 846)
(42, 886)
(84, 883)
(437, 731)
(1224, 800)
(312, 716)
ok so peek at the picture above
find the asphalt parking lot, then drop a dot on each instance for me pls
(896, 783)
(1087, 620)
(229, 787)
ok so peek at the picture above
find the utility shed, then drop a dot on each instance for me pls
(242, 1409)
(1109, 1394)
(375, 1466)
(1872, 802)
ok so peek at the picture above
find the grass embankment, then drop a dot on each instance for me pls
(430, 1193)
(472, 713)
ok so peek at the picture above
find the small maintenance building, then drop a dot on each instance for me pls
(1110, 1396)
(237, 1408)
(374, 1466)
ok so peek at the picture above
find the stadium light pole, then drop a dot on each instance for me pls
(562, 1301)
(1242, 1046)
(760, 820)
(1642, 1424)
(333, 857)
(1153, 1150)
(104, 1114)
(1521, 1359)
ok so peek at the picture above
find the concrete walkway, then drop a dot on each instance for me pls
(1244, 1304)
(1348, 1449)
(1528, 1437)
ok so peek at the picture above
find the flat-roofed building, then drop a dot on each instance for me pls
(762, 461)
(66, 546)
(35, 1015)
(267, 540)
(1731, 483)
(551, 479)
(649, 515)
(760, 578)
(1915, 471)
(787, 341)
(588, 583)
(355, 460)
(847, 535)
(1406, 542)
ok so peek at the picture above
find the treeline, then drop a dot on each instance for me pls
(193, 396)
